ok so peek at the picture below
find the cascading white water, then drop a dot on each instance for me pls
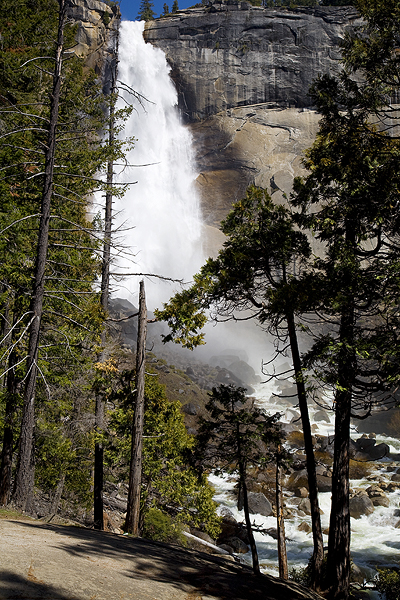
(162, 208)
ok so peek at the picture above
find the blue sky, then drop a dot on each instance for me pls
(130, 8)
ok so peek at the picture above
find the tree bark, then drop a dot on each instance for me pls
(253, 547)
(23, 486)
(282, 554)
(57, 497)
(339, 526)
(318, 553)
(8, 435)
(338, 568)
(135, 474)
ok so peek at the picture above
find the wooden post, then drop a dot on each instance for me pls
(135, 474)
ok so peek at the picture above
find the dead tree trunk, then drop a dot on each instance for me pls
(23, 486)
(8, 435)
(135, 474)
(282, 554)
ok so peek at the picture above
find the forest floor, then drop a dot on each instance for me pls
(58, 562)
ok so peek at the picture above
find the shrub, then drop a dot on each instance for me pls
(160, 527)
(388, 583)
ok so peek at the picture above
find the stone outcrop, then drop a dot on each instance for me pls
(243, 74)
(96, 35)
(234, 54)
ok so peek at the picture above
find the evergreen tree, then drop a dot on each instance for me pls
(165, 10)
(70, 314)
(234, 437)
(349, 202)
(175, 6)
(253, 274)
(170, 482)
(146, 12)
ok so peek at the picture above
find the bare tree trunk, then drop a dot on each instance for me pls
(282, 554)
(318, 553)
(57, 497)
(253, 547)
(105, 293)
(8, 435)
(135, 474)
(23, 486)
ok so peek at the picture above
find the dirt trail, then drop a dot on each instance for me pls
(70, 563)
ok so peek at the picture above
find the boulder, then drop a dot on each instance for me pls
(305, 506)
(237, 545)
(324, 483)
(378, 451)
(301, 492)
(191, 408)
(378, 496)
(304, 526)
(243, 371)
(259, 504)
(360, 504)
(322, 415)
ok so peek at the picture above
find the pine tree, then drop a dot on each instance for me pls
(71, 315)
(235, 436)
(253, 273)
(348, 201)
(146, 12)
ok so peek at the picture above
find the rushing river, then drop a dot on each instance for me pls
(375, 540)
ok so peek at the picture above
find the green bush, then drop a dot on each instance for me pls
(388, 583)
(160, 527)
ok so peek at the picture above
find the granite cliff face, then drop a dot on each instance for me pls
(96, 35)
(236, 54)
(243, 75)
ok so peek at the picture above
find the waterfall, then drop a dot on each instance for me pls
(159, 216)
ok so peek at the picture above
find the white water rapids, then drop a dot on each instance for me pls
(162, 211)
(375, 540)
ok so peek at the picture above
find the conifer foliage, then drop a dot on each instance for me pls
(51, 114)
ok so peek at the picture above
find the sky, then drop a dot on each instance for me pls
(130, 8)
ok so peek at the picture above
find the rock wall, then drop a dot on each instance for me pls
(243, 75)
(235, 54)
(96, 39)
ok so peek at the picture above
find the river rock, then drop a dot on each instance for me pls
(379, 451)
(304, 526)
(366, 445)
(301, 492)
(259, 504)
(378, 496)
(305, 506)
(237, 545)
(322, 415)
(324, 483)
(360, 504)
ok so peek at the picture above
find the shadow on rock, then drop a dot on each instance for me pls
(15, 586)
(179, 568)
